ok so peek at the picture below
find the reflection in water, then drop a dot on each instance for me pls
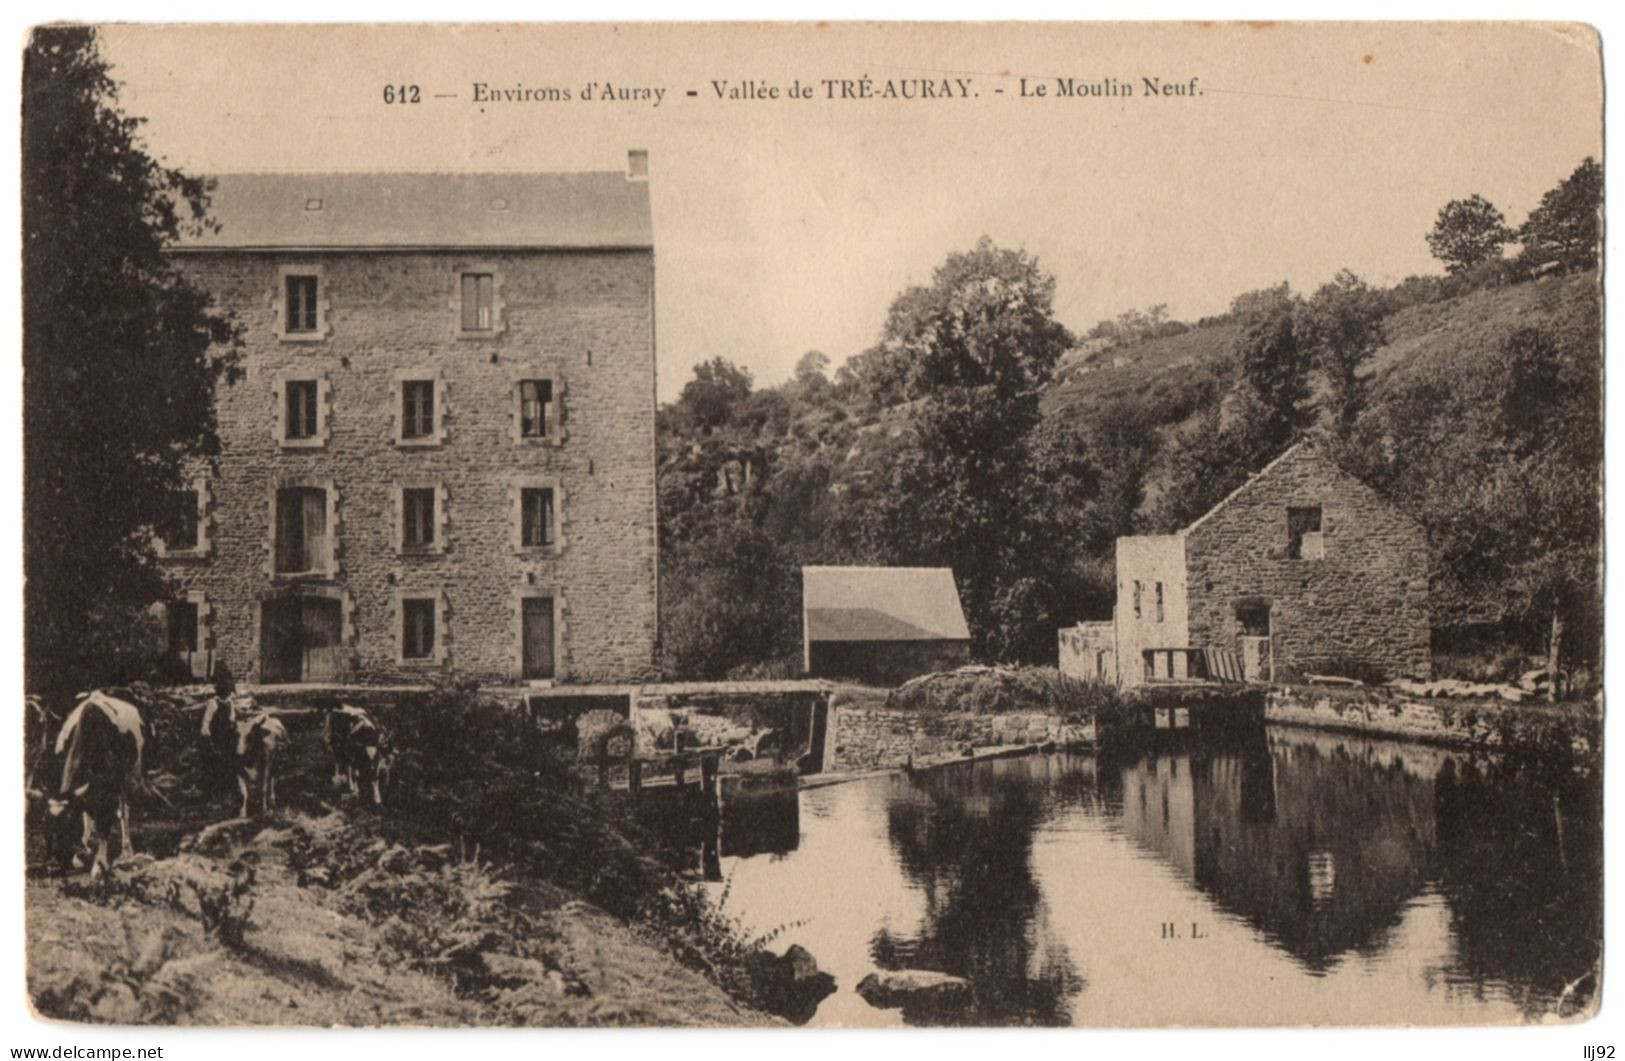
(964, 837)
(1309, 877)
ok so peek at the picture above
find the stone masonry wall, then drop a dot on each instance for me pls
(1480, 724)
(1154, 562)
(1366, 600)
(584, 320)
(1089, 651)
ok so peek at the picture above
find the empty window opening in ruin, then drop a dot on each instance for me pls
(417, 509)
(417, 408)
(301, 303)
(417, 627)
(1137, 594)
(536, 516)
(479, 302)
(1304, 539)
(535, 407)
(301, 413)
(1253, 616)
(1159, 602)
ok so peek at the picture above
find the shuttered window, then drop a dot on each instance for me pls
(301, 530)
(479, 302)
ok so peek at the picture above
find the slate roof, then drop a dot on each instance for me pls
(882, 604)
(350, 211)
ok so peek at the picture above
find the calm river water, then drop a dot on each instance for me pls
(1292, 878)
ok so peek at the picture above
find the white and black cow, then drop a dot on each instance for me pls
(101, 742)
(361, 751)
(240, 738)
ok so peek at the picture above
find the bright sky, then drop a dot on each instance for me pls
(788, 225)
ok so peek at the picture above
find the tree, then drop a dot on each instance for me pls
(1567, 225)
(1272, 358)
(1343, 325)
(121, 356)
(1468, 232)
(718, 388)
(972, 351)
(1503, 468)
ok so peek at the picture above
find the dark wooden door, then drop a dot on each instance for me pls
(537, 617)
(319, 629)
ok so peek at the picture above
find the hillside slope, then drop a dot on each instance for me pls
(1451, 333)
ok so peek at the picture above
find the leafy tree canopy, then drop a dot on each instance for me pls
(121, 357)
(1567, 225)
(1468, 232)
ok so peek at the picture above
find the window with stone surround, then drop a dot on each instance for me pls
(417, 628)
(476, 302)
(182, 616)
(420, 517)
(1159, 602)
(479, 292)
(300, 417)
(419, 398)
(190, 537)
(538, 515)
(304, 530)
(417, 408)
(188, 622)
(1138, 587)
(538, 407)
(421, 626)
(300, 303)
(1304, 538)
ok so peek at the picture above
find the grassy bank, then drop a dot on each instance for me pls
(494, 889)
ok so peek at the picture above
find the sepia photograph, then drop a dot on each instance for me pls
(829, 525)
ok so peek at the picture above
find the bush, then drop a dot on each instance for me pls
(1004, 690)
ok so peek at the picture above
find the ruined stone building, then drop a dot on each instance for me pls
(1302, 569)
(442, 455)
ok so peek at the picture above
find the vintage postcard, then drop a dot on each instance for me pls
(830, 525)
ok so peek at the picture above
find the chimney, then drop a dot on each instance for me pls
(637, 165)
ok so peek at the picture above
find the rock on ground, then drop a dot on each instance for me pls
(891, 988)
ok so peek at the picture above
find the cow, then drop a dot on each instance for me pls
(259, 736)
(101, 742)
(241, 741)
(361, 751)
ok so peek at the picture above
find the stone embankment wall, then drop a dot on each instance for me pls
(876, 738)
(1459, 723)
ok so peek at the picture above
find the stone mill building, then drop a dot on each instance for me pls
(1302, 569)
(442, 454)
